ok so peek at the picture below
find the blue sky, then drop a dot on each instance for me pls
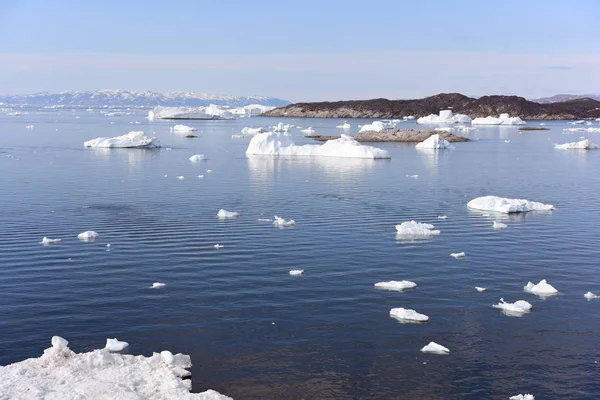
(309, 50)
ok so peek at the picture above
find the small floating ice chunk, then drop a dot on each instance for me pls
(413, 176)
(88, 236)
(297, 272)
(582, 145)
(59, 343)
(181, 177)
(396, 285)
(200, 176)
(281, 223)
(505, 205)
(265, 220)
(458, 255)
(480, 289)
(344, 126)
(218, 246)
(543, 288)
(114, 345)
(522, 397)
(590, 296)
(434, 142)
(442, 217)
(209, 171)
(182, 129)
(158, 285)
(224, 214)
(308, 131)
(198, 158)
(46, 241)
(499, 225)
(517, 308)
(29, 127)
(435, 348)
(416, 229)
(405, 314)
(252, 131)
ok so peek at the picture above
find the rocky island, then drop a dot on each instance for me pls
(581, 108)
(396, 135)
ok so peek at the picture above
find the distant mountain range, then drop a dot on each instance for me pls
(126, 98)
(559, 98)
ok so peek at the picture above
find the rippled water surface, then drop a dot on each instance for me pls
(255, 332)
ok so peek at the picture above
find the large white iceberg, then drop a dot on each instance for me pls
(275, 144)
(415, 229)
(517, 308)
(543, 288)
(407, 315)
(434, 142)
(134, 139)
(63, 374)
(581, 145)
(435, 348)
(505, 205)
(376, 126)
(396, 285)
(445, 117)
(504, 119)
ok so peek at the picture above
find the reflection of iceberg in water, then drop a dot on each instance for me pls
(430, 158)
(135, 158)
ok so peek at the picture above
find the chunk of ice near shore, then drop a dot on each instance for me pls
(590, 296)
(445, 117)
(158, 285)
(297, 272)
(543, 288)
(458, 255)
(404, 314)
(88, 236)
(131, 140)
(224, 214)
(282, 223)
(198, 158)
(522, 397)
(504, 119)
(435, 348)
(581, 145)
(506, 205)
(247, 131)
(114, 345)
(396, 285)
(518, 307)
(344, 126)
(46, 241)
(434, 142)
(416, 229)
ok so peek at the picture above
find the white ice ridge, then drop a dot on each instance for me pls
(182, 129)
(129, 140)
(281, 223)
(158, 285)
(590, 296)
(445, 117)
(88, 236)
(499, 225)
(396, 285)
(404, 314)
(434, 142)
(114, 345)
(344, 126)
(274, 144)
(543, 288)
(297, 272)
(581, 145)
(435, 348)
(505, 205)
(224, 214)
(522, 397)
(504, 119)
(63, 374)
(46, 241)
(209, 112)
(518, 307)
(198, 157)
(458, 255)
(416, 229)
(252, 131)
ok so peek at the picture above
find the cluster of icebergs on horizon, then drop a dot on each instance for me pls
(134, 139)
(61, 373)
(584, 144)
(506, 205)
(209, 112)
(276, 144)
(447, 117)
(504, 119)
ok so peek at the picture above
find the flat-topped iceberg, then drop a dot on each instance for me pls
(224, 214)
(517, 308)
(275, 144)
(407, 315)
(445, 117)
(416, 229)
(543, 288)
(504, 119)
(182, 129)
(63, 374)
(209, 112)
(396, 285)
(132, 140)
(434, 142)
(507, 206)
(581, 145)
(435, 348)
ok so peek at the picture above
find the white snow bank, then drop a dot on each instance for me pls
(275, 144)
(114, 345)
(344, 126)
(581, 145)
(504, 119)
(297, 272)
(480, 289)
(224, 214)
(543, 288)
(590, 296)
(435, 348)
(458, 255)
(505, 205)
(198, 158)
(46, 241)
(130, 140)
(63, 374)
(415, 229)
(434, 142)
(281, 223)
(499, 225)
(519, 307)
(445, 117)
(404, 314)
(396, 285)
(182, 129)
(246, 131)
(88, 236)
(158, 285)
(522, 397)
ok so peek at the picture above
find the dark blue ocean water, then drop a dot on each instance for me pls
(255, 332)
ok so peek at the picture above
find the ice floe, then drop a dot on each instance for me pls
(182, 129)
(218, 246)
(297, 272)
(47, 241)
(581, 130)
(499, 225)
(435, 348)
(504, 119)
(200, 177)
(506, 205)
(543, 288)
(458, 255)
(63, 374)
(88, 236)
(281, 223)
(590, 296)
(247, 131)
(407, 315)
(375, 126)
(415, 229)
(480, 289)
(517, 308)
(275, 144)
(445, 117)
(224, 214)
(181, 177)
(308, 131)
(129, 140)
(581, 145)
(413, 176)
(282, 128)
(265, 220)
(396, 285)
(442, 217)
(198, 158)
(114, 345)
(344, 126)
(209, 171)
(434, 142)
(522, 397)
(28, 126)
(158, 285)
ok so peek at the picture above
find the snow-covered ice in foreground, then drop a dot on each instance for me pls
(435, 348)
(198, 158)
(416, 229)
(590, 296)
(480, 289)
(581, 145)
(182, 129)
(445, 117)
(88, 236)
(407, 315)
(275, 144)
(46, 241)
(499, 225)
(517, 308)
(224, 214)
(396, 285)
(434, 142)
(505, 205)
(132, 140)
(458, 255)
(297, 272)
(63, 374)
(114, 345)
(504, 119)
(543, 288)
(522, 397)
(158, 285)
(344, 126)
(281, 223)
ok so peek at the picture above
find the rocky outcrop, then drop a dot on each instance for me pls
(458, 103)
(396, 135)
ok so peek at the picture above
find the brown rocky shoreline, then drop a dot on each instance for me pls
(395, 135)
